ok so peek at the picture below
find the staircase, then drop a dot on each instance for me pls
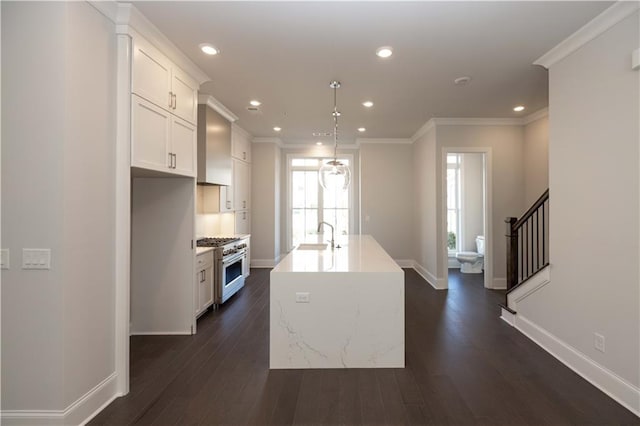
(527, 246)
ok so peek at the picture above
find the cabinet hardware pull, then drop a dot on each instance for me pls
(244, 155)
(175, 101)
(170, 160)
(244, 204)
(170, 99)
(244, 215)
(175, 160)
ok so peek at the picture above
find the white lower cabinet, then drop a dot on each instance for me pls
(204, 282)
(243, 222)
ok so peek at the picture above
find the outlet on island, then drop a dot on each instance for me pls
(302, 297)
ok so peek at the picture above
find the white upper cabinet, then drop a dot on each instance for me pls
(159, 81)
(241, 185)
(161, 141)
(240, 144)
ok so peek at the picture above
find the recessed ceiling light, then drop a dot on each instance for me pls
(277, 129)
(384, 52)
(318, 143)
(462, 81)
(209, 49)
(518, 108)
(367, 104)
(361, 129)
(255, 103)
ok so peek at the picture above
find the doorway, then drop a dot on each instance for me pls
(466, 243)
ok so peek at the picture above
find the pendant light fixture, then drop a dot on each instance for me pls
(335, 174)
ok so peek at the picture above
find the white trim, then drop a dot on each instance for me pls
(533, 284)
(535, 116)
(423, 130)
(394, 141)
(79, 412)
(488, 212)
(122, 209)
(508, 317)
(404, 263)
(263, 263)
(276, 141)
(604, 379)
(499, 284)
(108, 8)
(129, 17)
(428, 276)
(217, 106)
(313, 145)
(477, 121)
(161, 333)
(592, 29)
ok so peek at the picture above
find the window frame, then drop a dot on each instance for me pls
(289, 169)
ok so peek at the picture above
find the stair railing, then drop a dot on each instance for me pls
(528, 242)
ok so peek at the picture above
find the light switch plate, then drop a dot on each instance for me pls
(36, 258)
(4, 259)
(302, 297)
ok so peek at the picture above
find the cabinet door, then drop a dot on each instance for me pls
(185, 104)
(149, 135)
(151, 74)
(199, 292)
(183, 146)
(242, 185)
(226, 198)
(240, 145)
(243, 222)
(208, 287)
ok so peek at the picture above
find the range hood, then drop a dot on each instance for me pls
(214, 143)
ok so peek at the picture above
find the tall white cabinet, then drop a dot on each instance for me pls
(241, 152)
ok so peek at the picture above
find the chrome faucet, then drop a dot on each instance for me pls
(330, 225)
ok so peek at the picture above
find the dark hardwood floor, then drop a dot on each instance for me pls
(464, 366)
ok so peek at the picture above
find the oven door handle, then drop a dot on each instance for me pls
(233, 258)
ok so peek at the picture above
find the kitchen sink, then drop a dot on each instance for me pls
(312, 246)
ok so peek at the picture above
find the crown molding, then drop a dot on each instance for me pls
(242, 131)
(592, 29)
(108, 8)
(477, 121)
(544, 112)
(313, 145)
(131, 21)
(276, 141)
(392, 141)
(217, 106)
(426, 128)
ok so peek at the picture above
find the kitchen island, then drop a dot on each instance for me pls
(340, 308)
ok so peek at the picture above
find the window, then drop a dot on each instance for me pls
(311, 204)
(453, 202)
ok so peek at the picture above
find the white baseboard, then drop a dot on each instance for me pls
(78, 413)
(263, 263)
(404, 263)
(499, 284)
(429, 277)
(160, 333)
(625, 393)
(508, 317)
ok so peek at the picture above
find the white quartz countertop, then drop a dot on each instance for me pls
(358, 253)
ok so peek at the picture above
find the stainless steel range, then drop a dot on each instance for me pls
(229, 257)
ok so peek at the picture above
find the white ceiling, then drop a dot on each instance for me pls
(286, 53)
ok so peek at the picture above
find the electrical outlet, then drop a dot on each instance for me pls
(302, 297)
(598, 342)
(36, 258)
(4, 259)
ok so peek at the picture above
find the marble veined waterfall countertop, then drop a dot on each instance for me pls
(341, 308)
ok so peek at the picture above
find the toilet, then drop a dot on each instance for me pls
(470, 261)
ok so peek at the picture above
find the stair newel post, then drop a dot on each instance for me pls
(512, 252)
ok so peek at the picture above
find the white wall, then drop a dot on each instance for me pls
(265, 203)
(472, 200)
(536, 160)
(506, 143)
(425, 206)
(58, 144)
(386, 191)
(594, 194)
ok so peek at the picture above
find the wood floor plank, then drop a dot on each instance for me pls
(464, 366)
